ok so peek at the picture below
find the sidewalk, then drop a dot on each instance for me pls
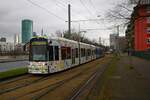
(130, 80)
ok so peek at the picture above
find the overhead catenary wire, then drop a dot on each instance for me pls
(63, 6)
(51, 13)
(63, 3)
(92, 4)
(90, 13)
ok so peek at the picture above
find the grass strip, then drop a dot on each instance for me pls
(13, 73)
(104, 94)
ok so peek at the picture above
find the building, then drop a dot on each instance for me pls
(113, 41)
(2, 39)
(123, 43)
(118, 43)
(16, 39)
(19, 47)
(138, 31)
(142, 27)
(6, 47)
(27, 30)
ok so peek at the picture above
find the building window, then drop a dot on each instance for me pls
(148, 40)
(148, 19)
(148, 9)
(148, 30)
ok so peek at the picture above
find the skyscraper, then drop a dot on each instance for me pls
(27, 30)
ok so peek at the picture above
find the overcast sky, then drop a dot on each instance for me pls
(13, 11)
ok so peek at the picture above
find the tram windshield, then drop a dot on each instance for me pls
(38, 52)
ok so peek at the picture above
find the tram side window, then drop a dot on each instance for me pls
(86, 52)
(77, 53)
(68, 53)
(92, 52)
(56, 53)
(82, 52)
(63, 53)
(51, 56)
(89, 52)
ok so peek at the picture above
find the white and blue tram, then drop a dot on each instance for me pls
(57, 54)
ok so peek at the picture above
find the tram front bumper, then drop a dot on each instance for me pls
(38, 69)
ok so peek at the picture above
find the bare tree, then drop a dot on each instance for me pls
(121, 12)
(134, 1)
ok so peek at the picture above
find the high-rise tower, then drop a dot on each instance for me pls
(27, 30)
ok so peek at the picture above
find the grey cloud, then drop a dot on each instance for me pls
(13, 11)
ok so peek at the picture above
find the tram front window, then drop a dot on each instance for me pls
(39, 53)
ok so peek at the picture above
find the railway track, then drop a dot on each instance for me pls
(40, 92)
(49, 88)
(61, 83)
(97, 75)
(14, 79)
(27, 81)
(45, 90)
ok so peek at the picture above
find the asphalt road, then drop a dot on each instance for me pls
(12, 65)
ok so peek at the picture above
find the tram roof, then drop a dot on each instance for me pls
(63, 39)
(72, 41)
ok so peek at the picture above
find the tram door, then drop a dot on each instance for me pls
(73, 56)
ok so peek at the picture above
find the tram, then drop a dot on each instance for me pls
(58, 54)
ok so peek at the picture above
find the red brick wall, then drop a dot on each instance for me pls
(140, 30)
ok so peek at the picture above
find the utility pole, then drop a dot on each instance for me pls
(118, 50)
(79, 45)
(69, 19)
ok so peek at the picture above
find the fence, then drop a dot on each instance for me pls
(142, 54)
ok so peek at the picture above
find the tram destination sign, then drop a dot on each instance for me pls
(39, 43)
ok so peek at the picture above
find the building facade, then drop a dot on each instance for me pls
(27, 30)
(142, 28)
(123, 43)
(113, 41)
(138, 31)
(6, 47)
(2, 39)
(16, 39)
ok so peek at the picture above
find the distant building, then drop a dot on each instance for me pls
(123, 43)
(16, 39)
(6, 47)
(19, 47)
(3, 39)
(113, 41)
(27, 30)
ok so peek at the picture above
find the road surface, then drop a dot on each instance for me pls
(12, 65)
